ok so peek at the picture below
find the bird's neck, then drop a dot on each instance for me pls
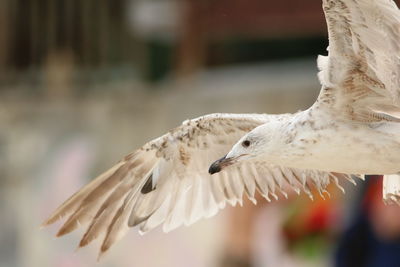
(292, 133)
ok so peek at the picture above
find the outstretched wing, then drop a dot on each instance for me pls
(361, 75)
(167, 181)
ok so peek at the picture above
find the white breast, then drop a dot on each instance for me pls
(346, 148)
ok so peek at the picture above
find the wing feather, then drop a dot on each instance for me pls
(106, 213)
(361, 75)
(248, 181)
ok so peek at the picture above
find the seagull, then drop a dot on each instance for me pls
(194, 170)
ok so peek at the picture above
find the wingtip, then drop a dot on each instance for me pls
(43, 225)
(100, 256)
(142, 232)
(63, 231)
(83, 243)
(60, 234)
(103, 251)
(49, 221)
(77, 248)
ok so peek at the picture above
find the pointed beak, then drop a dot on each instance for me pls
(218, 165)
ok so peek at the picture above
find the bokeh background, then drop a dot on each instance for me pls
(82, 83)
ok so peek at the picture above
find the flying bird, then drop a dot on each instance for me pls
(194, 170)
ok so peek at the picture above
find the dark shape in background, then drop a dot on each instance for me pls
(98, 34)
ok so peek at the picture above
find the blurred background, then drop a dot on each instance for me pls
(82, 83)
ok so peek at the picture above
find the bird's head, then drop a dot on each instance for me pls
(256, 143)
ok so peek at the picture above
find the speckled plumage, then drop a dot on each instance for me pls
(351, 129)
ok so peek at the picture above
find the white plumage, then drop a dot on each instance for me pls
(351, 129)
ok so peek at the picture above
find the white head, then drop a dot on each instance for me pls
(260, 142)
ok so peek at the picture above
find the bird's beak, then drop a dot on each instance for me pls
(218, 165)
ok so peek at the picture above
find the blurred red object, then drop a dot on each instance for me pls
(319, 217)
(262, 17)
(310, 219)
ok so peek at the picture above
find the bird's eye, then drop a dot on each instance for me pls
(246, 143)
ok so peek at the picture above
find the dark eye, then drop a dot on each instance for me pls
(246, 143)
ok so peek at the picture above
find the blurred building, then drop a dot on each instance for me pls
(153, 36)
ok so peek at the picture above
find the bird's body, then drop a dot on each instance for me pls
(351, 129)
(324, 141)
